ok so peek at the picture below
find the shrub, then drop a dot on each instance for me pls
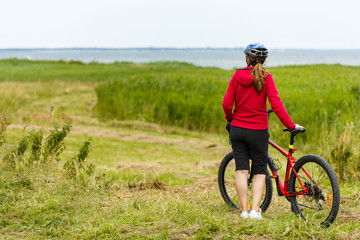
(54, 144)
(76, 166)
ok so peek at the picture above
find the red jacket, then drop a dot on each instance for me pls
(250, 107)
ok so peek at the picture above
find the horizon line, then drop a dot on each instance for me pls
(167, 48)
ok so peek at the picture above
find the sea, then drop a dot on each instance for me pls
(225, 58)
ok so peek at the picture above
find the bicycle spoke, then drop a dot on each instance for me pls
(318, 202)
(319, 205)
(302, 205)
(229, 179)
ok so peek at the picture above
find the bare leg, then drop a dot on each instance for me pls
(258, 187)
(241, 177)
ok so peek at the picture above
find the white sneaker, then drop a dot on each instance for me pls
(244, 215)
(255, 215)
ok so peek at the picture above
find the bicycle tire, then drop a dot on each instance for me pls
(227, 186)
(321, 206)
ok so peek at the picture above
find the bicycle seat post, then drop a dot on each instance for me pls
(292, 141)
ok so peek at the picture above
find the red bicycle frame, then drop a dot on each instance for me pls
(283, 187)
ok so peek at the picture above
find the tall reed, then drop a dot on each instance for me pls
(323, 98)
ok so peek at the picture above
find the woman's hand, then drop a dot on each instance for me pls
(298, 128)
(228, 127)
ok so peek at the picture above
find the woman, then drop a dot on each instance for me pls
(249, 89)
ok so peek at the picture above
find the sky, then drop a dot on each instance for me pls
(316, 24)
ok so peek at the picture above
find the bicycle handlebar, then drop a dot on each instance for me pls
(293, 132)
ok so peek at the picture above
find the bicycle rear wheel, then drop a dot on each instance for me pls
(321, 205)
(226, 180)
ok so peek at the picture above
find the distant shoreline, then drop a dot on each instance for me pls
(168, 48)
(225, 58)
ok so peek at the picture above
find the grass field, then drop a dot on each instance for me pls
(153, 180)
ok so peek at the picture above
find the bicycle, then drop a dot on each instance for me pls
(310, 184)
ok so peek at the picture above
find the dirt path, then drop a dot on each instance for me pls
(108, 133)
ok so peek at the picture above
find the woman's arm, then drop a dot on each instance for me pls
(229, 99)
(276, 104)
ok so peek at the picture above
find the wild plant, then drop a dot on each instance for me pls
(41, 152)
(342, 152)
(16, 156)
(54, 144)
(49, 149)
(76, 166)
(36, 146)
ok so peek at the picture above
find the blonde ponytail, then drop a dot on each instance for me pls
(259, 73)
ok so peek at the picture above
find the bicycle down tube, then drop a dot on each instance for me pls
(283, 187)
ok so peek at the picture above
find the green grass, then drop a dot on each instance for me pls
(319, 95)
(45, 205)
(152, 180)
(323, 98)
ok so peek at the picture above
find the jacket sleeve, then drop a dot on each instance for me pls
(229, 99)
(276, 104)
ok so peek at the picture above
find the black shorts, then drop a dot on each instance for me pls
(250, 144)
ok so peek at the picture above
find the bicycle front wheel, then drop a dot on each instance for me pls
(226, 180)
(321, 205)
